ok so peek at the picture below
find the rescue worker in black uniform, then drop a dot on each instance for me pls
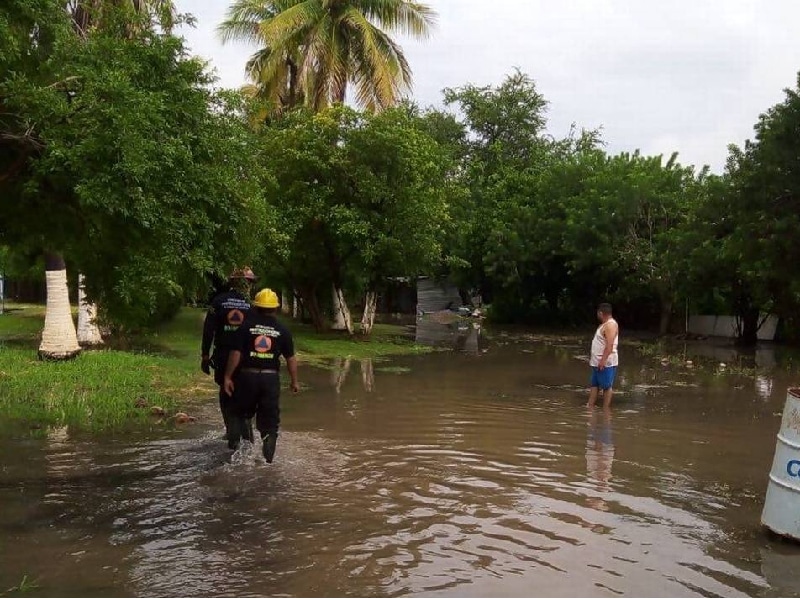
(253, 368)
(225, 315)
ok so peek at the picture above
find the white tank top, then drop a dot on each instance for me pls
(599, 346)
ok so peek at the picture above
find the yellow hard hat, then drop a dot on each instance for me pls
(266, 298)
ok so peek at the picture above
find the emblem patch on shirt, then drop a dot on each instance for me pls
(262, 344)
(235, 317)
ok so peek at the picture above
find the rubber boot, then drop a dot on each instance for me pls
(234, 438)
(239, 429)
(226, 417)
(269, 442)
(247, 430)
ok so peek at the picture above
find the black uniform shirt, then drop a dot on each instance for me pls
(262, 340)
(224, 318)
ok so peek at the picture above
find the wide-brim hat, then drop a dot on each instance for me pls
(243, 273)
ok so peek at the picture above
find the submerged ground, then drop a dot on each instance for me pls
(473, 472)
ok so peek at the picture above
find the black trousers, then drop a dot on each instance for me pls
(225, 401)
(258, 394)
(236, 429)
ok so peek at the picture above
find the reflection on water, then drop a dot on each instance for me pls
(467, 475)
(462, 334)
(780, 564)
(367, 375)
(340, 369)
(764, 386)
(599, 454)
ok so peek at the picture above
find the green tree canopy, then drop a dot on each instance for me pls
(359, 199)
(122, 159)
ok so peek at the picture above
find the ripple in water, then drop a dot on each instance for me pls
(433, 488)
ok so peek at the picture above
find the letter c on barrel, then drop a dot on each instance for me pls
(793, 468)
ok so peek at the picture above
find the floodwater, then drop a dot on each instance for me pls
(473, 473)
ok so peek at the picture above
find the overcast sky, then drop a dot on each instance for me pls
(689, 76)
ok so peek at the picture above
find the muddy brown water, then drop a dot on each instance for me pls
(475, 473)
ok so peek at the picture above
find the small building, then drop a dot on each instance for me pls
(433, 296)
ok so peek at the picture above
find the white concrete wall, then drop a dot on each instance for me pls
(725, 326)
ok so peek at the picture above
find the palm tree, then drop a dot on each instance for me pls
(59, 337)
(312, 50)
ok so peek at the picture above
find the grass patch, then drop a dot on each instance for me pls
(21, 321)
(117, 387)
(671, 356)
(25, 588)
(98, 390)
(102, 389)
(385, 340)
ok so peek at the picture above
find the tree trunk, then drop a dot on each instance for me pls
(88, 331)
(748, 332)
(286, 308)
(59, 338)
(296, 306)
(666, 316)
(551, 296)
(342, 321)
(370, 308)
(293, 79)
(311, 304)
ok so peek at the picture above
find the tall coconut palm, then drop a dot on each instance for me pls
(312, 50)
(59, 337)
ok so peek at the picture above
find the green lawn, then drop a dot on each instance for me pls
(121, 384)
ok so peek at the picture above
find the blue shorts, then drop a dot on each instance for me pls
(603, 379)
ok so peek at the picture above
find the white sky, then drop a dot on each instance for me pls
(689, 76)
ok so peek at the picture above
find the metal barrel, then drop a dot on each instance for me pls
(782, 504)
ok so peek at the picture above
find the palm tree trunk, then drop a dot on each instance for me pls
(341, 93)
(293, 84)
(59, 339)
(88, 331)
